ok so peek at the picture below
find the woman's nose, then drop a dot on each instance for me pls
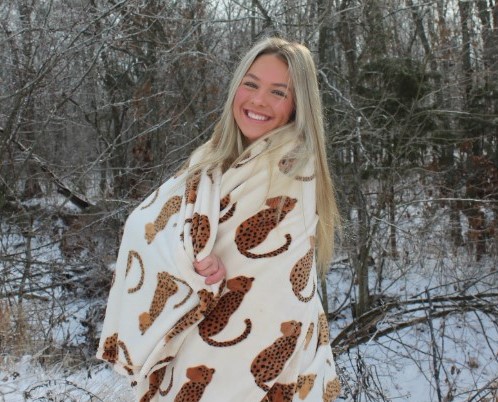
(259, 98)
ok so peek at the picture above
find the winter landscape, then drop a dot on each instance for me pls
(101, 101)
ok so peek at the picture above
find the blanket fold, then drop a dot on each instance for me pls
(259, 335)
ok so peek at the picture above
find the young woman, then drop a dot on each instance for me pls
(215, 291)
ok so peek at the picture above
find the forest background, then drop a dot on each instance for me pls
(100, 101)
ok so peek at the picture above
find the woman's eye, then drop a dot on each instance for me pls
(250, 84)
(280, 93)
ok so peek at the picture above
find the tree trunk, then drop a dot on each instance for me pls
(27, 129)
(447, 159)
(360, 258)
(347, 36)
(464, 8)
(391, 207)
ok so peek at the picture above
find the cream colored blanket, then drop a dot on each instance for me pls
(261, 335)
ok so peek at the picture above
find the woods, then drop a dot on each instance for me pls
(101, 101)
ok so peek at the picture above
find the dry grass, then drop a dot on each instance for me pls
(15, 329)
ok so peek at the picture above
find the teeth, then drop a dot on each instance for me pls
(256, 116)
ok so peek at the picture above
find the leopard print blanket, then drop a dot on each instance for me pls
(259, 335)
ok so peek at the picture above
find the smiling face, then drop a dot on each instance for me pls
(264, 99)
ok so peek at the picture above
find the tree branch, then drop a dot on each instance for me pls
(77, 199)
(364, 328)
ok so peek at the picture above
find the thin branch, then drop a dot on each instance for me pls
(77, 199)
(364, 328)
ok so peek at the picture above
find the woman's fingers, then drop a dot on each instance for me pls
(212, 268)
(207, 266)
(216, 276)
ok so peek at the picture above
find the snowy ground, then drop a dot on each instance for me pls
(448, 360)
(398, 367)
(27, 381)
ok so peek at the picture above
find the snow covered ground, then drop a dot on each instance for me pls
(457, 354)
(450, 355)
(26, 380)
(444, 357)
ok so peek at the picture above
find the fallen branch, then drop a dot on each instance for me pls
(71, 195)
(60, 388)
(365, 328)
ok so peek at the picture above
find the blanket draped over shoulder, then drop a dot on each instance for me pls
(259, 335)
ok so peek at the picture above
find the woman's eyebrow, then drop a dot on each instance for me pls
(277, 84)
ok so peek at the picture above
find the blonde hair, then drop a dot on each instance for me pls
(226, 143)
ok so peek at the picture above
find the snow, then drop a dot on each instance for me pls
(397, 367)
(448, 357)
(27, 380)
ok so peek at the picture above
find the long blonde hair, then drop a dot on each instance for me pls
(226, 143)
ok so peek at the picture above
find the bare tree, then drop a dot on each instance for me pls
(100, 101)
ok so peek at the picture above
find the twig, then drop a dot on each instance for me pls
(436, 358)
(364, 328)
(71, 195)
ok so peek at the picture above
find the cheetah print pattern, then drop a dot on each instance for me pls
(207, 301)
(300, 275)
(200, 230)
(193, 315)
(323, 330)
(309, 335)
(166, 287)
(171, 207)
(228, 214)
(270, 362)
(155, 380)
(127, 356)
(225, 201)
(254, 231)
(332, 390)
(280, 393)
(287, 163)
(111, 350)
(152, 201)
(305, 385)
(191, 188)
(191, 391)
(228, 304)
(134, 255)
(161, 362)
(165, 319)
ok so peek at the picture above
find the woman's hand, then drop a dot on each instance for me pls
(212, 268)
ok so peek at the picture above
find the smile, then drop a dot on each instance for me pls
(255, 116)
